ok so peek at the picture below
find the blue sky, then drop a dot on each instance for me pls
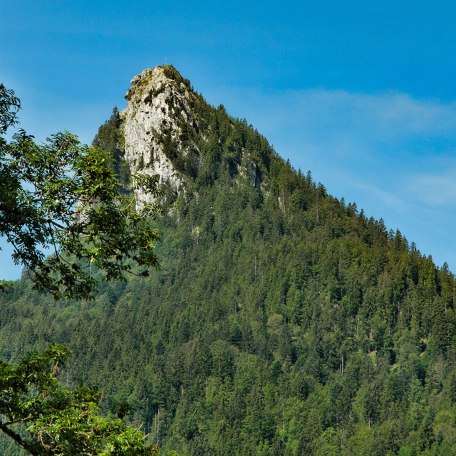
(362, 93)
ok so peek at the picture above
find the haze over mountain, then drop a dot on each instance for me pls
(283, 321)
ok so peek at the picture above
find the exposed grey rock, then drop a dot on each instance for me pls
(159, 107)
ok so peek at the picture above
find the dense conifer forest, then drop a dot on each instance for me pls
(282, 321)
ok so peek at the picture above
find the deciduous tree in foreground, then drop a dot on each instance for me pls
(44, 418)
(64, 196)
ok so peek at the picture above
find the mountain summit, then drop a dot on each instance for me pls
(154, 124)
(166, 129)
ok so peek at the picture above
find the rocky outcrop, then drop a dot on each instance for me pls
(170, 131)
(155, 125)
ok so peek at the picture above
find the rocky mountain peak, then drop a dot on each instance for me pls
(156, 122)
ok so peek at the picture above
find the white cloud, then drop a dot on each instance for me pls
(392, 154)
(435, 189)
(387, 198)
(395, 134)
(393, 114)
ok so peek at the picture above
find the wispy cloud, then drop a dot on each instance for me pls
(392, 114)
(394, 155)
(388, 198)
(437, 190)
(392, 135)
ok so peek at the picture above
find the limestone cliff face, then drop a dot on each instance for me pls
(155, 125)
(171, 132)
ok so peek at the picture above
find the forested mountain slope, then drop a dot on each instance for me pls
(282, 321)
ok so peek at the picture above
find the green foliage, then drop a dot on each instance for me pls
(45, 418)
(282, 322)
(172, 73)
(9, 107)
(64, 197)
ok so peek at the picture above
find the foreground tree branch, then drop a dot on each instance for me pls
(65, 196)
(44, 418)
